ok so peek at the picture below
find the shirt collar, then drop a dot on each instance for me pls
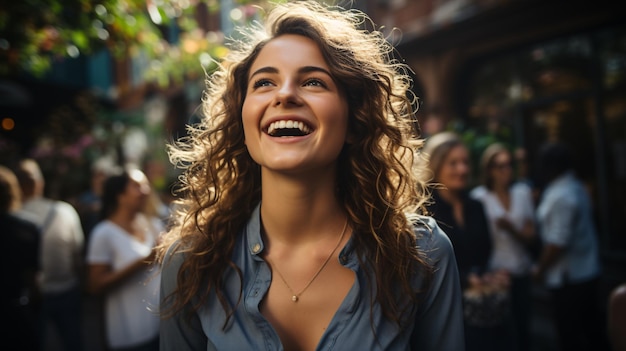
(255, 241)
(563, 178)
(253, 232)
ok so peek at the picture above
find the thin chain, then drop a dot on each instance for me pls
(296, 296)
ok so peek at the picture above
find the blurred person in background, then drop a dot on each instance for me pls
(89, 202)
(523, 174)
(510, 210)
(157, 211)
(616, 317)
(120, 263)
(569, 263)
(520, 165)
(62, 250)
(89, 205)
(20, 264)
(485, 291)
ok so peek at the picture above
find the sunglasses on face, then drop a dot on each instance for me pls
(501, 165)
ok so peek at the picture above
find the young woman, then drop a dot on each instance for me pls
(464, 221)
(297, 228)
(509, 207)
(120, 264)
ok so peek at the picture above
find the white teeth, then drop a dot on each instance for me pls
(288, 124)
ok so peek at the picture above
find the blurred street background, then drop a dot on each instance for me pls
(85, 83)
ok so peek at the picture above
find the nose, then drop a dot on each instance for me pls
(287, 95)
(461, 168)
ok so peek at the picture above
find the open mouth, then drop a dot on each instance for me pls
(288, 128)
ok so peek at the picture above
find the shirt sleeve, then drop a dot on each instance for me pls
(181, 331)
(439, 324)
(558, 225)
(524, 193)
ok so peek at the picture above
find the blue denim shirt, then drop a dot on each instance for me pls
(437, 325)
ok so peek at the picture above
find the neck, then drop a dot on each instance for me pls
(123, 218)
(500, 188)
(300, 208)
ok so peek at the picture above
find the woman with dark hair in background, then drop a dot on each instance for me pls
(485, 291)
(120, 264)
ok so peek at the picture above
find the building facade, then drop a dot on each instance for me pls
(525, 72)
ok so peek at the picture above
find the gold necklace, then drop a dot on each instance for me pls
(296, 296)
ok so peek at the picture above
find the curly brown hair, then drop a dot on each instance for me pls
(377, 175)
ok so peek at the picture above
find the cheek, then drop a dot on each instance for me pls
(444, 175)
(464, 169)
(453, 175)
(337, 113)
(494, 174)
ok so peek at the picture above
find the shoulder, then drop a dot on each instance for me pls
(103, 229)
(478, 192)
(520, 188)
(173, 259)
(28, 217)
(65, 208)
(65, 215)
(430, 238)
(560, 194)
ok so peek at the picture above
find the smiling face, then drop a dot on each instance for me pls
(295, 116)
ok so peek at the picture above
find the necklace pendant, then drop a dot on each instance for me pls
(294, 298)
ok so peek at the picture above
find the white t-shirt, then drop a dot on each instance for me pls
(131, 309)
(508, 253)
(62, 243)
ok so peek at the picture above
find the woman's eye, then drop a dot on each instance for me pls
(262, 83)
(315, 82)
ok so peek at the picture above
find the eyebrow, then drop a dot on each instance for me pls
(304, 69)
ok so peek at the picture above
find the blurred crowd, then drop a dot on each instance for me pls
(96, 252)
(510, 233)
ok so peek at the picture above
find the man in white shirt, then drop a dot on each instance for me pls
(61, 253)
(569, 264)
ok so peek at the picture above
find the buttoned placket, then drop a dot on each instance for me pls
(260, 287)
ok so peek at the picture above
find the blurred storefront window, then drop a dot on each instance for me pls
(571, 89)
(612, 55)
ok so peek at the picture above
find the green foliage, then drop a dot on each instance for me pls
(35, 33)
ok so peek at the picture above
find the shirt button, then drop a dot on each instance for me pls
(256, 248)
(343, 259)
